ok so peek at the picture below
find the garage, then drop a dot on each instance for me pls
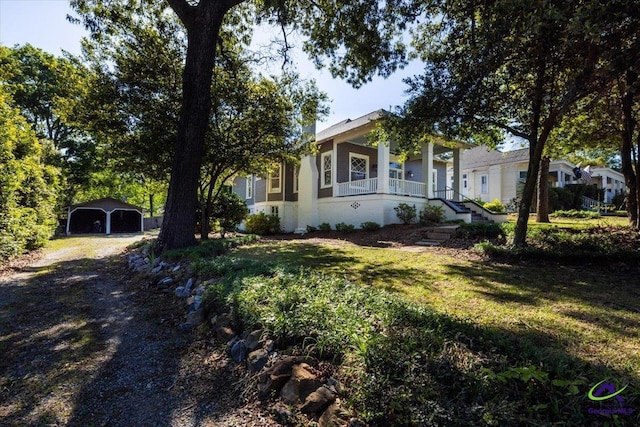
(104, 216)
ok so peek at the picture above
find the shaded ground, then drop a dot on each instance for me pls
(82, 346)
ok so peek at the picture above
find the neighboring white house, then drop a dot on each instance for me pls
(350, 181)
(491, 174)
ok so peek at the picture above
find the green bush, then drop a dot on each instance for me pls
(480, 230)
(573, 213)
(406, 213)
(344, 228)
(494, 206)
(210, 248)
(311, 229)
(229, 210)
(262, 224)
(325, 226)
(431, 214)
(370, 226)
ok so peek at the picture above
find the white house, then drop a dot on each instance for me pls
(491, 174)
(348, 180)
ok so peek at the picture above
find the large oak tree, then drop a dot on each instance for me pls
(359, 38)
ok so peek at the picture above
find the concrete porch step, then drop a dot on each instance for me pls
(438, 236)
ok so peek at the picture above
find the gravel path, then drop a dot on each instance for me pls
(82, 345)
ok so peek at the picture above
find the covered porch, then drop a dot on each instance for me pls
(422, 174)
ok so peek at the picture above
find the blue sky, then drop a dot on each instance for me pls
(43, 24)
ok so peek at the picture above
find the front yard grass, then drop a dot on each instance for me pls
(591, 313)
(445, 336)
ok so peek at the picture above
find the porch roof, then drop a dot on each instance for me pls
(363, 123)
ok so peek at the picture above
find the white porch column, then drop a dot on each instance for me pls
(383, 167)
(427, 167)
(307, 194)
(142, 221)
(457, 173)
(334, 169)
(108, 225)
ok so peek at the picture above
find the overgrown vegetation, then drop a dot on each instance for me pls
(29, 184)
(262, 224)
(403, 363)
(574, 213)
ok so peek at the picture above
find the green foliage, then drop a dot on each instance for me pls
(370, 226)
(208, 249)
(495, 206)
(573, 213)
(262, 224)
(344, 228)
(431, 214)
(311, 228)
(28, 186)
(406, 213)
(593, 244)
(229, 210)
(325, 226)
(480, 230)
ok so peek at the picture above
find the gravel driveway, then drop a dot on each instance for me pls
(83, 345)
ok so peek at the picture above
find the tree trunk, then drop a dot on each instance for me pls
(179, 224)
(151, 204)
(626, 150)
(204, 221)
(542, 211)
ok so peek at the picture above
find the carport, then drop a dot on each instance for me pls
(104, 216)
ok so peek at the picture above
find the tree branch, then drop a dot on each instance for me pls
(184, 10)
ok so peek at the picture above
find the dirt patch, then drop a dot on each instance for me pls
(82, 345)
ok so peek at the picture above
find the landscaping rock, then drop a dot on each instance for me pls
(166, 281)
(276, 376)
(257, 359)
(252, 340)
(355, 422)
(175, 269)
(301, 384)
(238, 351)
(224, 333)
(334, 416)
(317, 401)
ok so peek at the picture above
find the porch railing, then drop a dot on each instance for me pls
(591, 204)
(407, 188)
(361, 186)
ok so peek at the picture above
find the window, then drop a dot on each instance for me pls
(249, 190)
(358, 167)
(465, 181)
(274, 210)
(484, 184)
(295, 178)
(275, 180)
(326, 166)
(522, 176)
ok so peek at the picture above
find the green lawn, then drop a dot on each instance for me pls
(586, 312)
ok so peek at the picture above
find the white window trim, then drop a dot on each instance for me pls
(359, 156)
(296, 182)
(277, 189)
(249, 187)
(323, 170)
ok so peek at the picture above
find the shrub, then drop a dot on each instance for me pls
(263, 224)
(480, 230)
(370, 226)
(431, 214)
(325, 226)
(344, 228)
(494, 206)
(406, 213)
(229, 210)
(311, 229)
(573, 213)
